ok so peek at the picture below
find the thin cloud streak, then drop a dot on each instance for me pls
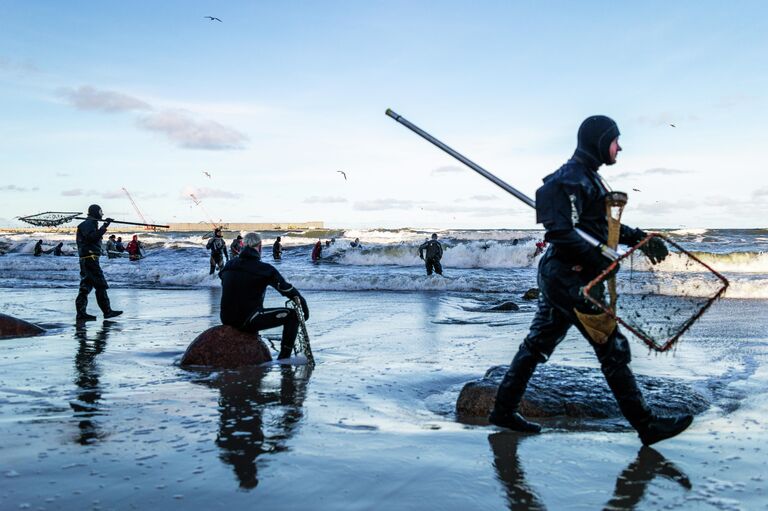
(384, 204)
(188, 133)
(86, 97)
(324, 200)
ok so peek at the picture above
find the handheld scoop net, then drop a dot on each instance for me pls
(657, 303)
(302, 339)
(57, 218)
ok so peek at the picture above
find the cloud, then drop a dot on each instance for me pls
(207, 193)
(448, 169)
(324, 200)
(658, 171)
(17, 66)
(480, 198)
(188, 133)
(382, 204)
(760, 193)
(14, 188)
(72, 193)
(88, 98)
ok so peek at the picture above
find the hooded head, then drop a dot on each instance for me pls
(434, 236)
(94, 211)
(594, 140)
(217, 232)
(135, 237)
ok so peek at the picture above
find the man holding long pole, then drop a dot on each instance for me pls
(89, 236)
(572, 206)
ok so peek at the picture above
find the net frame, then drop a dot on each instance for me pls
(50, 218)
(654, 344)
(302, 339)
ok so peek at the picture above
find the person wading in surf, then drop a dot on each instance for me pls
(88, 238)
(574, 197)
(218, 248)
(434, 252)
(244, 281)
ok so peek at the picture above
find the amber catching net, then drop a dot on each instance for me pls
(658, 304)
(50, 218)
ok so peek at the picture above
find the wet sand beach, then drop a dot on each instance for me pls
(102, 416)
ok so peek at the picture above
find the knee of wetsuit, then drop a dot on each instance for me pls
(615, 353)
(529, 348)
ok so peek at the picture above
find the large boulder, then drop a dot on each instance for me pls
(14, 327)
(564, 391)
(226, 347)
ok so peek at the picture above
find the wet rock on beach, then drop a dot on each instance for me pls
(226, 347)
(580, 392)
(13, 327)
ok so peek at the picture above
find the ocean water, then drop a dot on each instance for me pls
(101, 416)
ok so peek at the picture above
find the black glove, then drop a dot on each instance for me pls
(655, 250)
(108, 221)
(304, 307)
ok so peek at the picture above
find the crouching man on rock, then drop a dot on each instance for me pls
(244, 281)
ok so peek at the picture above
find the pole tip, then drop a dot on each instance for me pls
(390, 113)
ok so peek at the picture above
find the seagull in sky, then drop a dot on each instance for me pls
(635, 189)
(673, 125)
(207, 174)
(213, 18)
(343, 174)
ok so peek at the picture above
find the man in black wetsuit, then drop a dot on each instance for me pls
(218, 248)
(572, 197)
(244, 281)
(38, 251)
(89, 236)
(277, 249)
(434, 252)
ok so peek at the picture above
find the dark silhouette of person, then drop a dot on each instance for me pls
(571, 198)
(243, 399)
(277, 249)
(89, 236)
(218, 248)
(434, 252)
(317, 251)
(87, 406)
(631, 483)
(57, 250)
(38, 251)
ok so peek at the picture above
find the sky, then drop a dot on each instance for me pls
(256, 115)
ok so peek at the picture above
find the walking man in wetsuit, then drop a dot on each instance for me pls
(218, 248)
(574, 197)
(89, 236)
(244, 282)
(434, 252)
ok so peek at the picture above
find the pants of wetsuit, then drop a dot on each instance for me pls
(560, 287)
(217, 262)
(91, 277)
(433, 264)
(265, 319)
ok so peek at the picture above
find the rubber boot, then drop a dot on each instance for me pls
(661, 428)
(505, 411)
(81, 304)
(290, 331)
(103, 300)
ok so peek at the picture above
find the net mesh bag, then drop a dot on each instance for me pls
(50, 218)
(657, 303)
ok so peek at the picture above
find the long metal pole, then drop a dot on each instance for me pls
(606, 251)
(125, 223)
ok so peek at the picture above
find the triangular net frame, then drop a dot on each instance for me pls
(302, 345)
(50, 218)
(658, 304)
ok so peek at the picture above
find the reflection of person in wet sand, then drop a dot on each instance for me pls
(631, 483)
(87, 405)
(243, 436)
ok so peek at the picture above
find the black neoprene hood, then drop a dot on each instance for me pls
(594, 140)
(94, 211)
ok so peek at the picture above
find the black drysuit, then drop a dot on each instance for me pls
(244, 282)
(573, 197)
(434, 252)
(89, 236)
(218, 248)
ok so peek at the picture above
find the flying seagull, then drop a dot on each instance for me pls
(673, 125)
(207, 174)
(213, 18)
(343, 174)
(635, 189)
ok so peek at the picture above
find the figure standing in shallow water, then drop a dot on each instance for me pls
(89, 236)
(434, 252)
(575, 196)
(218, 248)
(134, 249)
(277, 249)
(317, 251)
(236, 246)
